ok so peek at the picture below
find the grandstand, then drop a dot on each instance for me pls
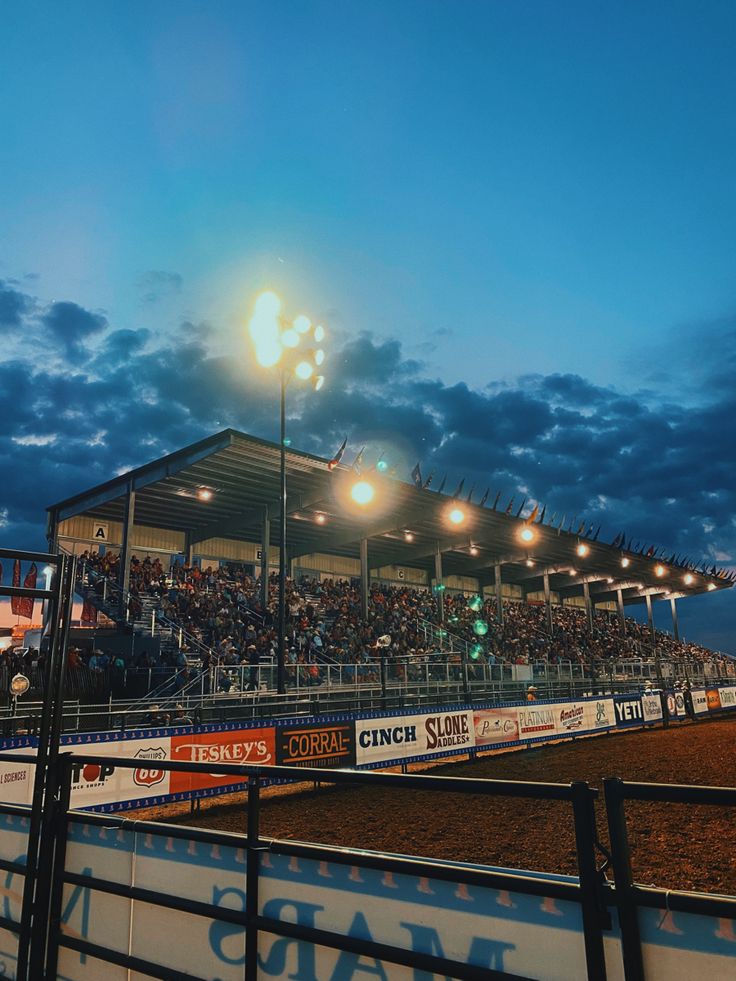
(183, 552)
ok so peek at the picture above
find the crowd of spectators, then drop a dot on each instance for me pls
(226, 625)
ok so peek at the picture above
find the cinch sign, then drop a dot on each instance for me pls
(403, 736)
(316, 745)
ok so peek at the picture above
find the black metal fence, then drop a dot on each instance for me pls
(40, 931)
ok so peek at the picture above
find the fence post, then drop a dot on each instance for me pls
(251, 878)
(591, 899)
(60, 833)
(621, 860)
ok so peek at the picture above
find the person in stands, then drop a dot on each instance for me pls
(531, 693)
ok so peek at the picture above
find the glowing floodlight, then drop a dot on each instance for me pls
(319, 357)
(480, 628)
(456, 516)
(362, 492)
(659, 570)
(526, 535)
(319, 333)
(689, 579)
(290, 338)
(625, 562)
(582, 549)
(304, 370)
(302, 324)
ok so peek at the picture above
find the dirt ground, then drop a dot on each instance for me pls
(674, 846)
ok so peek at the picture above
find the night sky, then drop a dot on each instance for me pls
(517, 222)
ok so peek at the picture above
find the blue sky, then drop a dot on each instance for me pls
(513, 193)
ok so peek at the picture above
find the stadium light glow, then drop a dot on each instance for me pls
(526, 535)
(573, 572)
(362, 492)
(689, 579)
(204, 494)
(475, 603)
(711, 585)
(319, 333)
(302, 324)
(303, 370)
(582, 549)
(321, 519)
(530, 563)
(290, 338)
(480, 628)
(659, 570)
(626, 562)
(319, 357)
(456, 516)
(473, 549)
(408, 536)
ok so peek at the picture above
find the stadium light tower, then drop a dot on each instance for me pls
(295, 349)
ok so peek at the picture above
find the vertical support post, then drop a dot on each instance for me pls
(281, 654)
(265, 549)
(621, 861)
(364, 578)
(499, 594)
(650, 617)
(590, 894)
(675, 623)
(621, 617)
(547, 602)
(188, 549)
(251, 878)
(60, 831)
(126, 548)
(588, 605)
(438, 580)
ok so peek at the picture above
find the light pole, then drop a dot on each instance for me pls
(278, 342)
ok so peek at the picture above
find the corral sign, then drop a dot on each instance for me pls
(316, 745)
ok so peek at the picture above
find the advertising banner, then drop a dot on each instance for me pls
(651, 707)
(94, 783)
(600, 714)
(404, 736)
(570, 718)
(316, 745)
(232, 746)
(629, 711)
(537, 720)
(714, 699)
(700, 701)
(728, 697)
(496, 726)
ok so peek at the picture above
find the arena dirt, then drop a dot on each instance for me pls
(674, 846)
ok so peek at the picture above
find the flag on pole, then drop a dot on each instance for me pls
(510, 505)
(496, 499)
(358, 462)
(470, 494)
(338, 456)
(459, 490)
(485, 497)
(518, 513)
(26, 603)
(428, 481)
(416, 476)
(534, 513)
(442, 484)
(541, 516)
(15, 600)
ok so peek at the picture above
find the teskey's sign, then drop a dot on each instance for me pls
(257, 746)
(316, 745)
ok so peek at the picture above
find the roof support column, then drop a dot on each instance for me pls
(621, 616)
(265, 548)
(364, 578)
(588, 605)
(126, 549)
(188, 549)
(675, 623)
(547, 602)
(52, 531)
(438, 580)
(499, 594)
(650, 617)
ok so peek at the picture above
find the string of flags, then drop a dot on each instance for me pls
(537, 515)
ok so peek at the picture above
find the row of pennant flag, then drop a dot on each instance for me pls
(539, 516)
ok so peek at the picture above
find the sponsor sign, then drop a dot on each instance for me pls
(149, 776)
(570, 718)
(629, 711)
(537, 721)
(700, 701)
(671, 704)
(651, 706)
(404, 736)
(680, 705)
(600, 714)
(316, 745)
(728, 697)
(257, 746)
(714, 699)
(95, 783)
(496, 726)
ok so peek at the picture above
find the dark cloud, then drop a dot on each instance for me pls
(662, 471)
(72, 325)
(13, 306)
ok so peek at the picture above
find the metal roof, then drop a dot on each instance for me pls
(241, 472)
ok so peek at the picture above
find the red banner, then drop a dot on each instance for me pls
(15, 600)
(89, 613)
(26, 603)
(235, 746)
